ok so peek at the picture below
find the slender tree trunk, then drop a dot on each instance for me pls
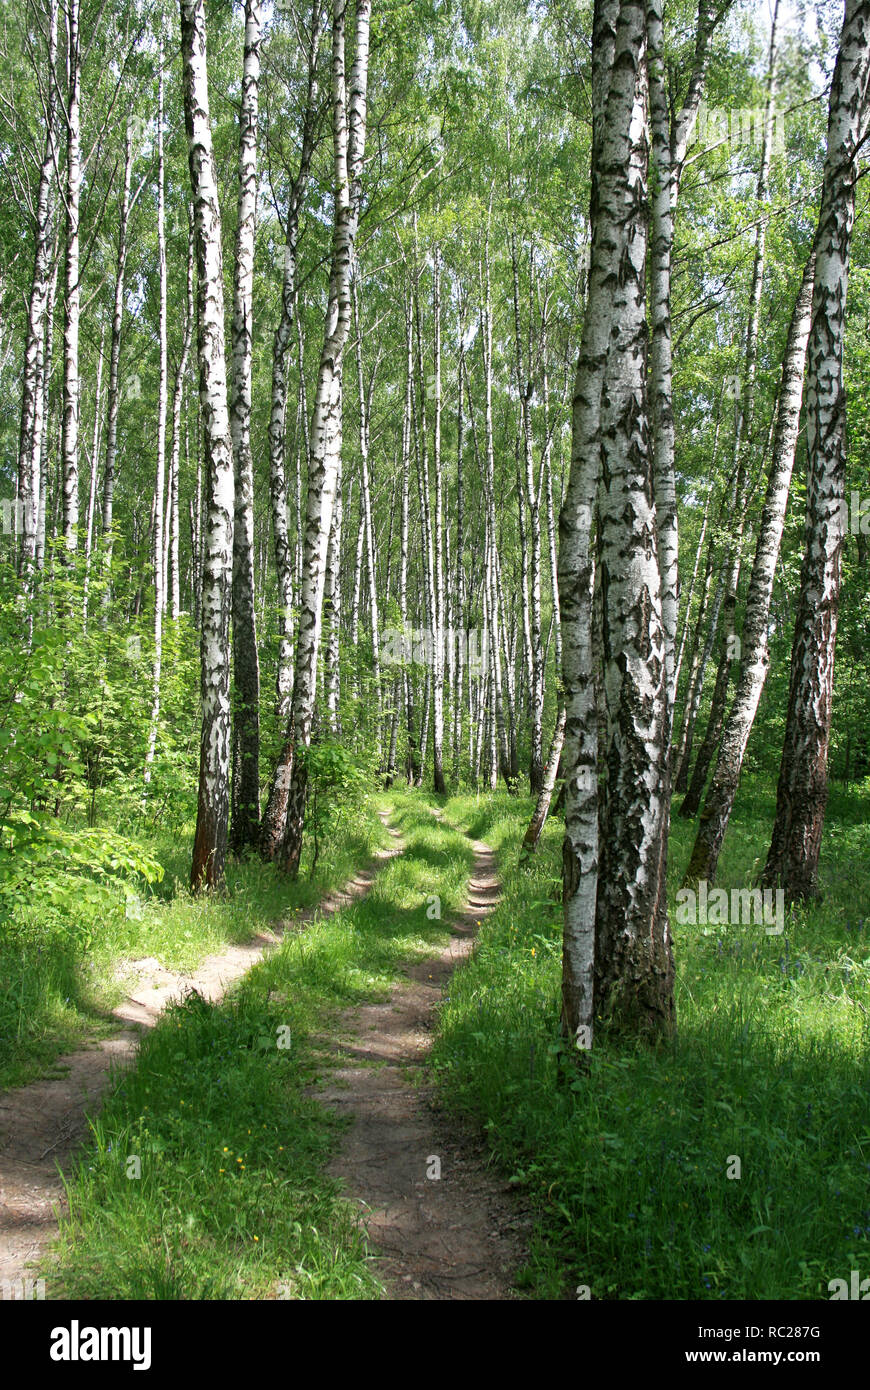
(459, 603)
(162, 400)
(413, 763)
(545, 796)
(245, 820)
(332, 620)
(173, 565)
(743, 439)
(700, 658)
(94, 467)
(554, 759)
(439, 784)
(72, 281)
(45, 388)
(670, 134)
(367, 528)
(488, 477)
(349, 127)
(30, 459)
(754, 653)
(792, 860)
(692, 584)
(210, 844)
(114, 391)
(277, 415)
(531, 548)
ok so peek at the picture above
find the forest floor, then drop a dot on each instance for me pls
(732, 1162)
(44, 1123)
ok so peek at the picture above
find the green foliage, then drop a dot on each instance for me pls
(40, 862)
(336, 783)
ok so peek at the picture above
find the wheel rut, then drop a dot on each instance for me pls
(440, 1224)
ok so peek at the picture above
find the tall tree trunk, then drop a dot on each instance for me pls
(278, 409)
(332, 620)
(173, 564)
(754, 652)
(367, 528)
(210, 843)
(30, 459)
(634, 972)
(72, 281)
(793, 858)
(459, 601)
(439, 784)
(94, 468)
(670, 135)
(488, 478)
(245, 820)
(349, 128)
(614, 889)
(413, 762)
(527, 496)
(743, 440)
(162, 401)
(45, 388)
(114, 390)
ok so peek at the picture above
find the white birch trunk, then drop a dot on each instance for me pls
(349, 129)
(72, 282)
(245, 821)
(30, 459)
(210, 844)
(793, 857)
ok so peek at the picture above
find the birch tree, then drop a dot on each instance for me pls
(72, 281)
(30, 460)
(617, 958)
(792, 860)
(113, 395)
(283, 833)
(210, 843)
(246, 669)
(278, 406)
(755, 658)
(670, 131)
(162, 405)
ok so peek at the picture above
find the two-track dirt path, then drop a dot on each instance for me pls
(457, 1236)
(42, 1124)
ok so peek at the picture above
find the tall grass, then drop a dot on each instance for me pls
(628, 1169)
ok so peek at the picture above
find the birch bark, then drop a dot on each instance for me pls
(210, 843)
(245, 819)
(792, 860)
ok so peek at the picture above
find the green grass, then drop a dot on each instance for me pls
(232, 1200)
(58, 980)
(626, 1170)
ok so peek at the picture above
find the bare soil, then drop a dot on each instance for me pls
(454, 1236)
